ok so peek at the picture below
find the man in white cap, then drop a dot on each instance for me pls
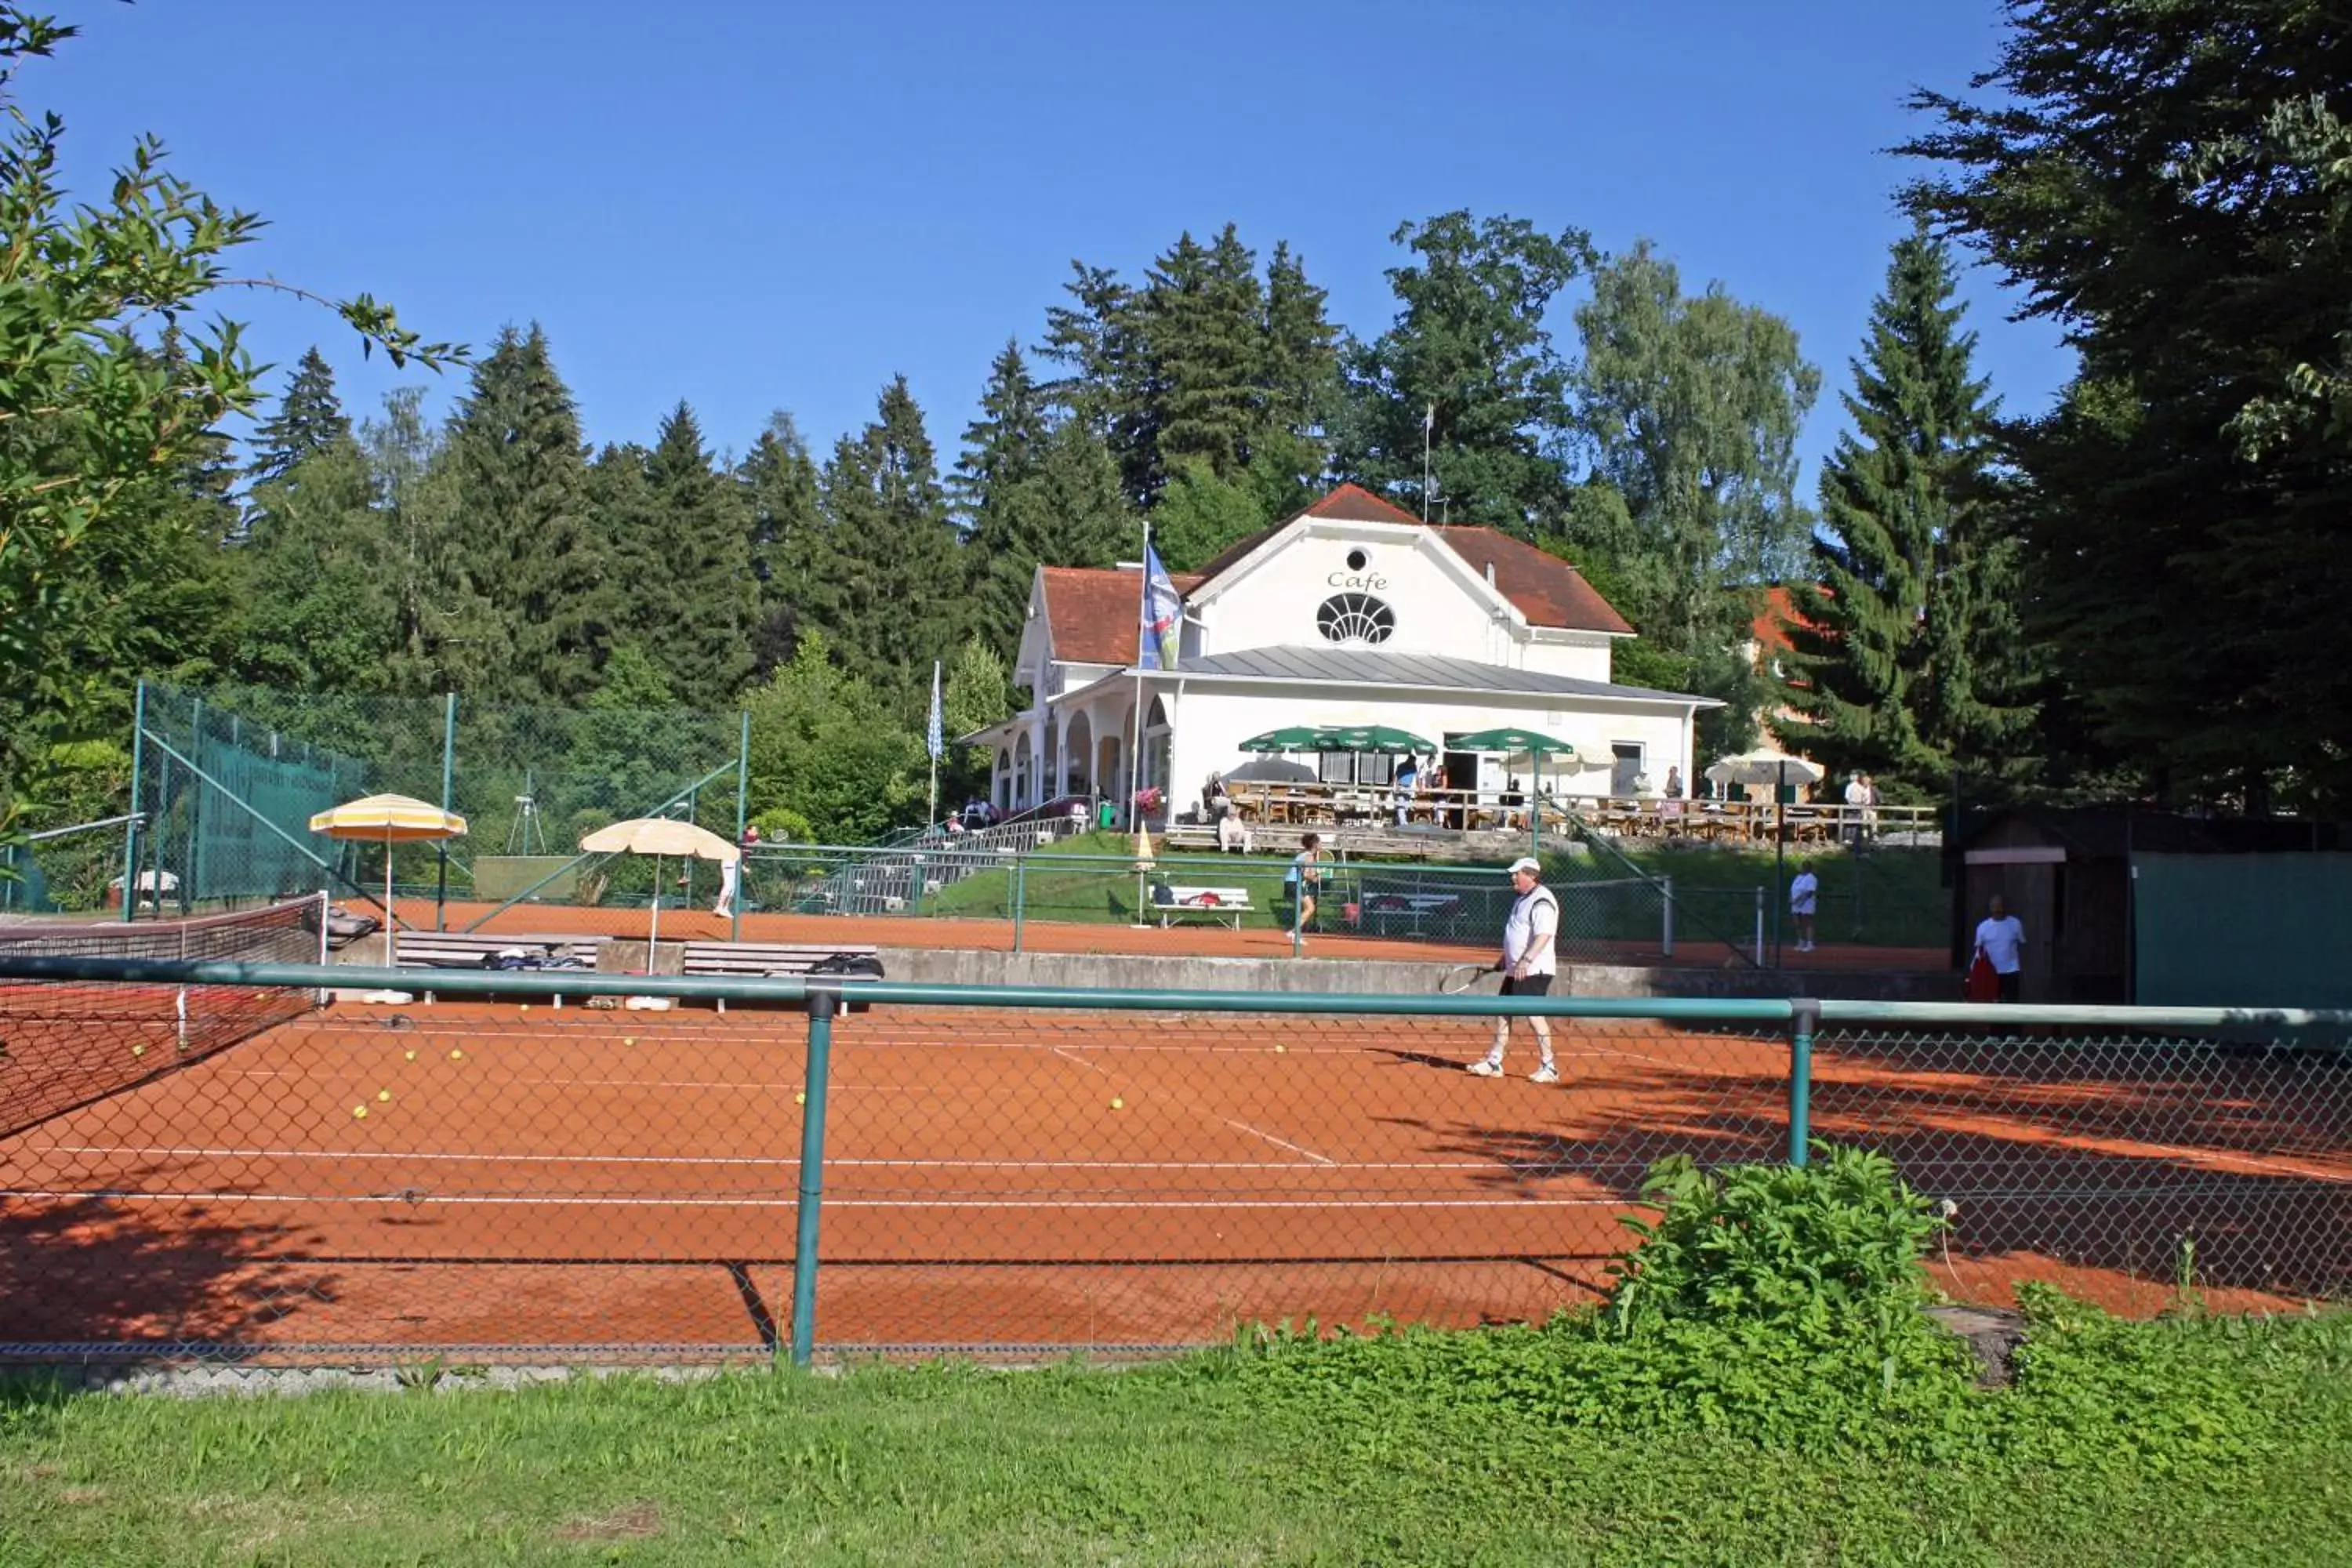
(1529, 961)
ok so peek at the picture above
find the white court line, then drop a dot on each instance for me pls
(1283, 1142)
(859, 1161)
(687, 1200)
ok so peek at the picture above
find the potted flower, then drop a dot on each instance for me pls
(1147, 801)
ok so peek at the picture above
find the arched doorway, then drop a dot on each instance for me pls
(1078, 745)
(1024, 771)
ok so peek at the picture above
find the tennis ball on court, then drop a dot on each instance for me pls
(383, 1095)
(138, 1050)
(412, 1056)
(526, 1006)
(800, 1099)
(456, 1055)
(1279, 1049)
(1117, 1104)
(629, 1039)
(359, 1112)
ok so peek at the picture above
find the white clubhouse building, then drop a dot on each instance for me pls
(1353, 613)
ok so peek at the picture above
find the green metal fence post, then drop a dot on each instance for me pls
(193, 870)
(448, 776)
(1805, 1023)
(1020, 896)
(822, 1001)
(131, 829)
(742, 819)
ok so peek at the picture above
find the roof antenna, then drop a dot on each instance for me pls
(1428, 429)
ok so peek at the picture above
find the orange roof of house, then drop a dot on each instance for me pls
(1095, 614)
(1541, 587)
(1774, 616)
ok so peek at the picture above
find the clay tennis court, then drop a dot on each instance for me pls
(557, 1183)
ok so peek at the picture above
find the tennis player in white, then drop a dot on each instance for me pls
(1531, 958)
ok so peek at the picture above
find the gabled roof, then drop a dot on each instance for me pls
(1541, 587)
(1095, 614)
(1354, 503)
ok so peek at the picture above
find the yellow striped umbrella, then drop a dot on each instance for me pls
(659, 837)
(389, 819)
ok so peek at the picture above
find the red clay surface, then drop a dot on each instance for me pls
(554, 1182)
(1050, 936)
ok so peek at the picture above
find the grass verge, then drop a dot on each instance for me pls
(2198, 1441)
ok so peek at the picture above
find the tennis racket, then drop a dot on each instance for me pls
(1462, 977)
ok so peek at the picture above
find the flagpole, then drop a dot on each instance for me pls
(1135, 769)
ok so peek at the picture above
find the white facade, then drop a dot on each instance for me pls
(1352, 613)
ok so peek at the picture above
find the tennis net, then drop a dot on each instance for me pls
(64, 1043)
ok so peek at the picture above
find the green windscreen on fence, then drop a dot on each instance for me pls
(2243, 930)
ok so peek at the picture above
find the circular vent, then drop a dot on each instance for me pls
(1355, 620)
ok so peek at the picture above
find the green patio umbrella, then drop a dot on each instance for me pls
(1374, 738)
(1294, 738)
(1516, 743)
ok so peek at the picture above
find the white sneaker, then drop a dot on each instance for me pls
(1485, 1069)
(1544, 1074)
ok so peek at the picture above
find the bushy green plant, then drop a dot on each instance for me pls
(1774, 1243)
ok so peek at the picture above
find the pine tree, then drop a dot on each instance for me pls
(1067, 511)
(786, 528)
(707, 591)
(1300, 359)
(1889, 655)
(528, 548)
(1107, 388)
(1004, 445)
(893, 551)
(1202, 323)
(309, 420)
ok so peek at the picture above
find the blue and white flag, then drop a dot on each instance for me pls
(932, 738)
(1163, 614)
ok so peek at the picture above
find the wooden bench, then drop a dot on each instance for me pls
(768, 959)
(1218, 904)
(474, 949)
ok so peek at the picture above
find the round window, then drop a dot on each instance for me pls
(1358, 560)
(1355, 620)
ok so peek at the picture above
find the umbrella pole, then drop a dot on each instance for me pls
(653, 933)
(391, 919)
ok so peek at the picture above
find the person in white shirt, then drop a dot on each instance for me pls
(2000, 937)
(1531, 958)
(1805, 893)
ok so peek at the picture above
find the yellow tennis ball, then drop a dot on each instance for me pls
(359, 1112)
(456, 1055)
(384, 1095)
(412, 1056)
(1279, 1049)
(1117, 1104)
(800, 1099)
(526, 1006)
(629, 1039)
(138, 1050)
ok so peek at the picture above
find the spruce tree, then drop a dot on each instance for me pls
(1300, 359)
(786, 528)
(892, 549)
(1004, 445)
(706, 594)
(1201, 322)
(1891, 661)
(309, 420)
(1067, 511)
(527, 550)
(1107, 387)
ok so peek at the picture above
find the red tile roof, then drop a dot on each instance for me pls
(1096, 613)
(1541, 587)
(1354, 503)
(1774, 616)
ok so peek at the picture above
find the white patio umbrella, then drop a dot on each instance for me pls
(391, 819)
(661, 837)
(1765, 766)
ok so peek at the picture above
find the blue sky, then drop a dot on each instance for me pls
(760, 206)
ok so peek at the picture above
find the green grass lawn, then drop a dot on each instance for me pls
(2197, 1442)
